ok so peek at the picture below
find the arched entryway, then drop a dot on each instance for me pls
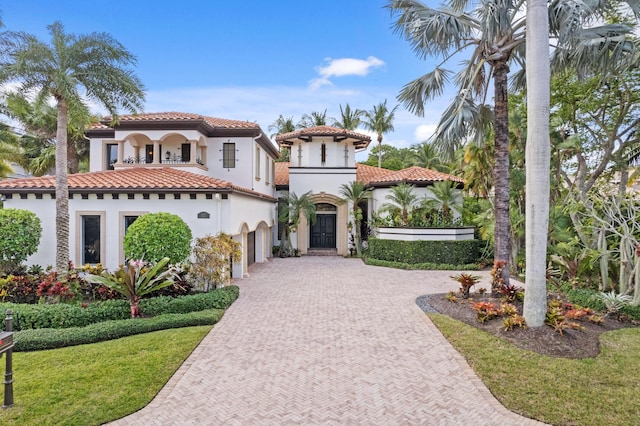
(332, 216)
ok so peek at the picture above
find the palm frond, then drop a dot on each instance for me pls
(415, 94)
(432, 32)
(461, 121)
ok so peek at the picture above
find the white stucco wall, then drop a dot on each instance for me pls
(308, 154)
(243, 174)
(224, 215)
(319, 180)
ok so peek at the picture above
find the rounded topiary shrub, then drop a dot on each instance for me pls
(19, 238)
(156, 235)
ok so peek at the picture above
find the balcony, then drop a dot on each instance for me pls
(171, 160)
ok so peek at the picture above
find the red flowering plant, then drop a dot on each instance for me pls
(137, 279)
(54, 291)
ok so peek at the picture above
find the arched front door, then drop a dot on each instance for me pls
(323, 231)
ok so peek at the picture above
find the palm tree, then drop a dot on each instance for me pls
(493, 33)
(380, 121)
(426, 155)
(39, 123)
(538, 160)
(349, 118)
(290, 209)
(316, 118)
(70, 70)
(403, 199)
(9, 151)
(355, 193)
(446, 198)
(280, 126)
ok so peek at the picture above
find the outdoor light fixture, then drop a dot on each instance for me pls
(167, 156)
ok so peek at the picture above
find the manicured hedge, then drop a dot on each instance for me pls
(423, 266)
(27, 317)
(435, 252)
(51, 338)
(220, 298)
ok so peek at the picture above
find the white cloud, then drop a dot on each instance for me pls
(424, 132)
(343, 67)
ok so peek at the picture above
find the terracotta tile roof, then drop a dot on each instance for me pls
(367, 174)
(178, 117)
(360, 139)
(370, 174)
(128, 180)
(416, 174)
(282, 173)
(135, 178)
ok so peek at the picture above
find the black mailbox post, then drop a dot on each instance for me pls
(6, 347)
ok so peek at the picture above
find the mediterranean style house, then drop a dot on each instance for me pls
(322, 159)
(218, 175)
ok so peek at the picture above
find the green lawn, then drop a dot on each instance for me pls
(97, 383)
(559, 391)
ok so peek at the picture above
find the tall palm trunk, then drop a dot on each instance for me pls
(538, 159)
(380, 151)
(501, 169)
(358, 222)
(73, 159)
(62, 192)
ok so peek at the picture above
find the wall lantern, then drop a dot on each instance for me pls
(167, 156)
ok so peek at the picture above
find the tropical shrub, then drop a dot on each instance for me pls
(20, 288)
(136, 280)
(466, 282)
(211, 260)
(19, 239)
(154, 236)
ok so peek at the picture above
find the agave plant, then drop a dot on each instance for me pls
(136, 280)
(614, 302)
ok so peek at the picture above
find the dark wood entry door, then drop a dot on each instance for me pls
(323, 232)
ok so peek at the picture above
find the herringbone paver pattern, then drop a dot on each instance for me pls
(327, 340)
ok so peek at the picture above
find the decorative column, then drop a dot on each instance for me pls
(194, 152)
(203, 153)
(120, 152)
(156, 152)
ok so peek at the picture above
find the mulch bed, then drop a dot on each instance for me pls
(543, 340)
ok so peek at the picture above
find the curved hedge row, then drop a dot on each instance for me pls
(59, 316)
(51, 338)
(436, 252)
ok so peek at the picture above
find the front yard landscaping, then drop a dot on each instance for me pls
(581, 368)
(96, 383)
(559, 391)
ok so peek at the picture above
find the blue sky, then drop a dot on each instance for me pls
(251, 60)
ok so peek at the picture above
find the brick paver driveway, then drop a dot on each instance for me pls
(327, 340)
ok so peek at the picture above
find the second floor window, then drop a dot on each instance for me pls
(229, 155)
(257, 163)
(111, 155)
(323, 153)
